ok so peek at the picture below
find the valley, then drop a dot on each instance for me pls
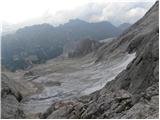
(61, 79)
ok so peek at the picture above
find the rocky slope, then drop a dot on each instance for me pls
(134, 93)
(13, 91)
(10, 99)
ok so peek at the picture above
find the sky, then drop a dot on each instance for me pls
(19, 12)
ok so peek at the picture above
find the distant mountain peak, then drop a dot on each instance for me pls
(76, 21)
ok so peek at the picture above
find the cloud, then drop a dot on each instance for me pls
(90, 12)
(60, 12)
(115, 12)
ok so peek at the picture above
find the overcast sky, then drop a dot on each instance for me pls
(60, 11)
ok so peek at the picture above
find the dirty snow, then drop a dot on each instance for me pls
(84, 78)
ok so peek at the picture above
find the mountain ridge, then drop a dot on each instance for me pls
(45, 42)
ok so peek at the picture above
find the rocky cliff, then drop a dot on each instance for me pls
(134, 92)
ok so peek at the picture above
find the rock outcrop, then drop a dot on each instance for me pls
(10, 100)
(124, 26)
(81, 48)
(134, 93)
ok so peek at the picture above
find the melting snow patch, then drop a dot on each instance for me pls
(109, 74)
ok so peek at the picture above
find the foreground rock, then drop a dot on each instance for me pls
(134, 92)
(10, 100)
